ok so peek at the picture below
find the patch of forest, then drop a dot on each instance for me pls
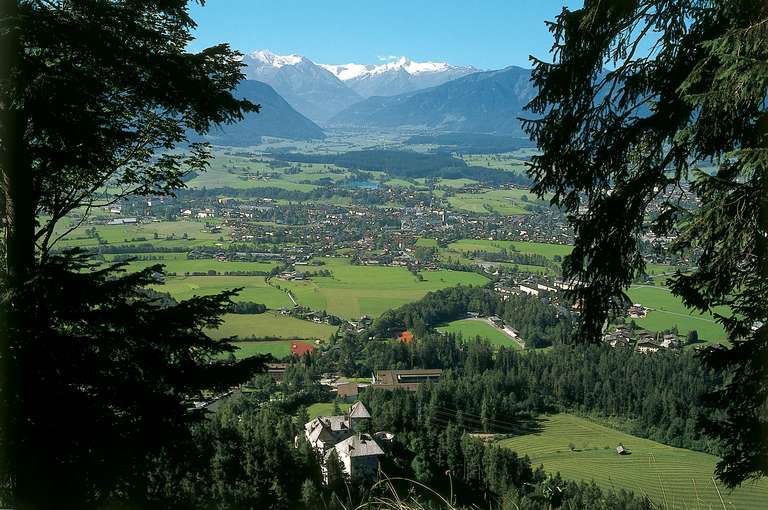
(410, 165)
(474, 143)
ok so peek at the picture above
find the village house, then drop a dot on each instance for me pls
(670, 341)
(646, 346)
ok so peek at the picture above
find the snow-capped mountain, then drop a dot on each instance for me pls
(396, 77)
(309, 88)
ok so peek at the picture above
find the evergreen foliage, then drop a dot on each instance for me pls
(638, 97)
(94, 373)
(109, 377)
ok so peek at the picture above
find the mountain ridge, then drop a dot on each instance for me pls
(484, 102)
(313, 91)
(277, 118)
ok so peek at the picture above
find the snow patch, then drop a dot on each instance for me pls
(346, 72)
(269, 58)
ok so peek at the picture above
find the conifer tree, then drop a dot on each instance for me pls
(98, 94)
(647, 106)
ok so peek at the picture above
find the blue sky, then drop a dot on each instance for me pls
(488, 34)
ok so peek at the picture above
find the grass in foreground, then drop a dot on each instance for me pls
(673, 477)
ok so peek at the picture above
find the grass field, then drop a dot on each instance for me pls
(503, 202)
(179, 235)
(354, 291)
(680, 479)
(423, 241)
(547, 250)
(277, 348)
(272, 325)
(456, 183)
(325, 409)
(510, 162)
(669, 312)
(255, 289)
(184, 265)
(471, 328)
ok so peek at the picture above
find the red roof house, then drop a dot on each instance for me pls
(406, 337)
(300, 348)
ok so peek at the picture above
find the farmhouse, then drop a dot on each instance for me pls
(276, 370)
(646, 346)
(670, 341)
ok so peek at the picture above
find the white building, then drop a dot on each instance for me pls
(359, 456)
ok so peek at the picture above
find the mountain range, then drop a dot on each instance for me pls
(396, 77)
(296, 94)
(483, 102)
(313, 91)
(320, 91)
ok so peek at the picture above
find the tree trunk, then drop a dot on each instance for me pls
(18, 223)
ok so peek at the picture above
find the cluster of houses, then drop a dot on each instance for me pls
(357, 452)
(642, 340)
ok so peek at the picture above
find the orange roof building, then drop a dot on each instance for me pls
(301, 348)
(406, 337)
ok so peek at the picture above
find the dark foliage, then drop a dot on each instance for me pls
(638, 95)
(111, 372)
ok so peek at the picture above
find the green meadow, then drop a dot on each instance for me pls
(256, 171)
(545, 249)
(325, 409)
(179, 235)
(255, 289)
(503, 202)
(510, 162)
(353, 291)
(469, 329)
(669, 312)
(277, 348)
(184, 265)
(675, 478)
(272, 325)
